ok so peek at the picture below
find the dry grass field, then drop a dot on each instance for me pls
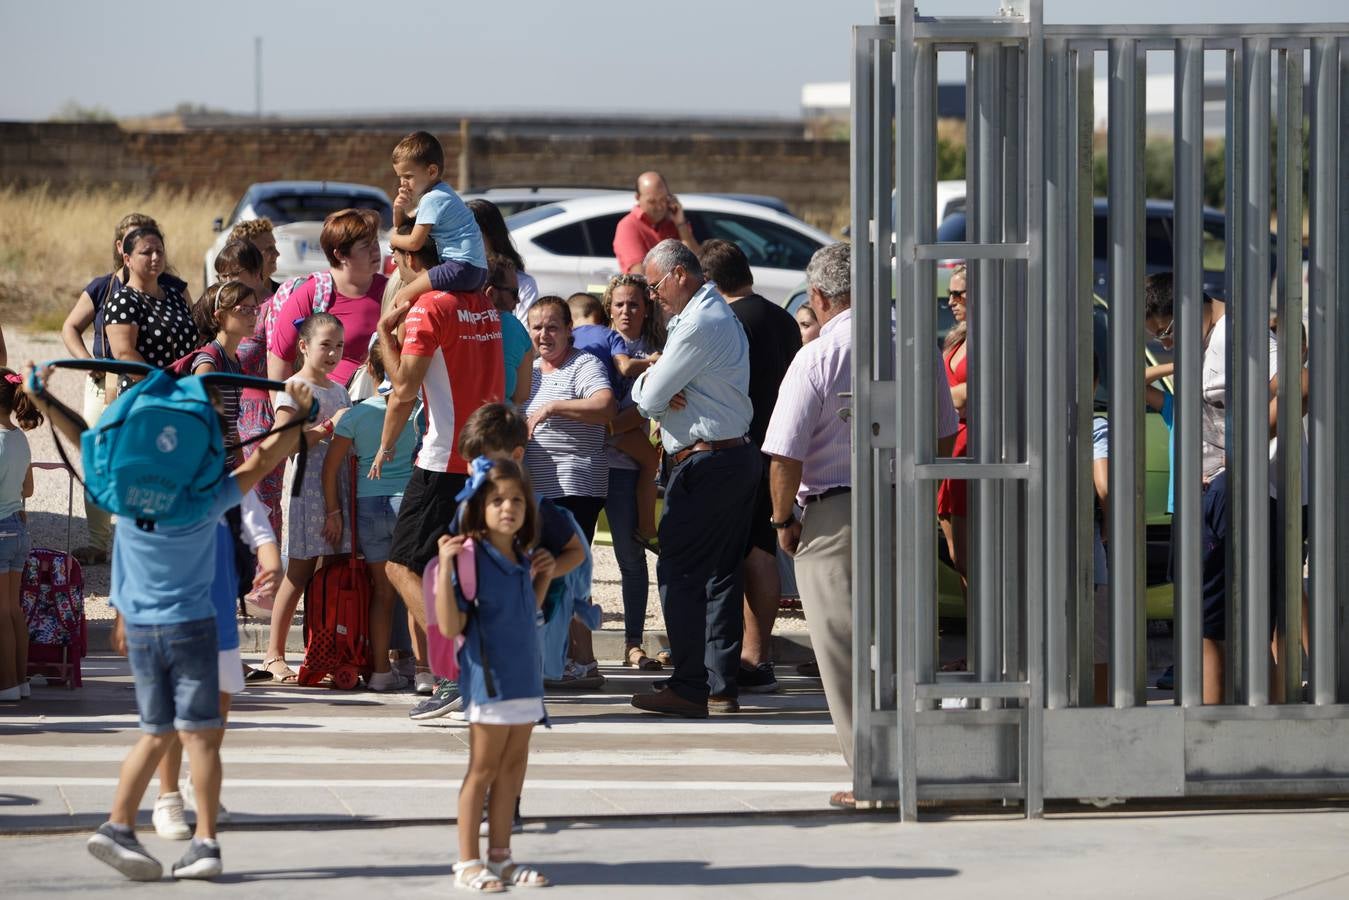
(53, 241)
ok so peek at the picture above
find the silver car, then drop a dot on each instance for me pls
(297, 210)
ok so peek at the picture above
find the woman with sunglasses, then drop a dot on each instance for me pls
(951, 494)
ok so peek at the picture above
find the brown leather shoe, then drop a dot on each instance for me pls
(668, 703)
(722, 706)
(843, 800)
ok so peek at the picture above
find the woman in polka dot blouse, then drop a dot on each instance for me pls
(147, 321)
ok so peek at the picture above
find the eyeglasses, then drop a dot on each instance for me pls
(244, 309)
(654, 290)
(957, 295)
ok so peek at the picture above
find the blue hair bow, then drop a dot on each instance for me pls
(477, 477)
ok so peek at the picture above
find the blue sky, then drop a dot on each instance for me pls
(727, 57)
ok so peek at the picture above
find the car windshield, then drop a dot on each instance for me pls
(314, 207)
(530, 216)
(952, 228)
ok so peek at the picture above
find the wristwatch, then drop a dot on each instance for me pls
(783, 524)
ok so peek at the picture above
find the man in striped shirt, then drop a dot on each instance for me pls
(810, 445)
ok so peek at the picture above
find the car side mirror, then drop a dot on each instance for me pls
(218, 225)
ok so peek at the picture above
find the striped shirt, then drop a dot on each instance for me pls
(806, 424)
(566, 458)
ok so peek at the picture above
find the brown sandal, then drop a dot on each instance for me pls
(636, 658)
(282, 674)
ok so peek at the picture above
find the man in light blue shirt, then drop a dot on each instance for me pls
(699, 393)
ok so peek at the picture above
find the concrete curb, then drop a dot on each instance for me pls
(793, 647)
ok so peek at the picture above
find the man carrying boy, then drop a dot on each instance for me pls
(439, 216)
(449, 339)
(161, 586)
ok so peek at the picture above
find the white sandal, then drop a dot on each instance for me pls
(483, 881)
(519, 876)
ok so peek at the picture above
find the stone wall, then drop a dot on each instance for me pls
(811, 176)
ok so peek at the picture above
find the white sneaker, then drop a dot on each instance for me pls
(10, 694)
(25, 689)
(425, 682)
(190, 799)
(170, 823)
(387, 681)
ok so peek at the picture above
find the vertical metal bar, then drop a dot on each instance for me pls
(1126, 225)
(1338, 337)
(1081, 284)
(1012, 370)
(908, 491)
(1058, 154)
(1248, 435)
(865, 485)
(1322, 360)
(1189, 285)
(984, 339)
(1236, 163)
(883, 201)
(1037, 538)
(920, 372)
(1288, 524)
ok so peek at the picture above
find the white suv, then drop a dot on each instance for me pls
(569, 246)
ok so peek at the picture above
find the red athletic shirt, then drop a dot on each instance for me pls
(461, 333)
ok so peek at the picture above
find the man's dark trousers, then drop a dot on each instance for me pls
(703, 530)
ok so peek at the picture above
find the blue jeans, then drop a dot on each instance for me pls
(177, 672)
(375, 520)
(14, 544)
(621, 508)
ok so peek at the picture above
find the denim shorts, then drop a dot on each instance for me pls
(14, 544)
(375, 520)
(177, 672)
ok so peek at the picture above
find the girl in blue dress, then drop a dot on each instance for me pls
(500, 673)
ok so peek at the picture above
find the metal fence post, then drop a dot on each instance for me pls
(1126, 226)
(1287, 596)
(1189, 280)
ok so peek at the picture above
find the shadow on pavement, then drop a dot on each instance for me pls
(654, 872)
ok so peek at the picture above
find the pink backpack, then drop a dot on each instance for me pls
(253, 351)
(443, 651)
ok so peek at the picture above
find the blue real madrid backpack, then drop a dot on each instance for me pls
(157, 454)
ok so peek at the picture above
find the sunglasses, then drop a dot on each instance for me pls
(957, 295)
(654, 290)
(1167, 331)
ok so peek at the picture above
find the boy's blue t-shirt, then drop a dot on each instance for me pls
(225, 589)
(515, 344)
(363, 425)
(596, 340)
(1168, 413)
(163, 577)
(453, 227)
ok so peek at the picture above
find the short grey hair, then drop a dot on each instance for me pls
(670, 253)
(830, 272)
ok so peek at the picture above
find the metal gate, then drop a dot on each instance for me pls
(1026, 730)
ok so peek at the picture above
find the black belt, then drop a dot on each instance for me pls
(707, 447)
(825, 495)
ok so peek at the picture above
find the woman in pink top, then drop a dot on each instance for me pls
(350, 240)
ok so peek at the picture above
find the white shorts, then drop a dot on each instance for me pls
(257, 530)
(231, 672)
(525, 711)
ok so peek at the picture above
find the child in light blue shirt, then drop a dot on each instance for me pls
(439, 216)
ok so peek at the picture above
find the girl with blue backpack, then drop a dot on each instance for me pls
(16, 483)
(500, 674)
(322, 343)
